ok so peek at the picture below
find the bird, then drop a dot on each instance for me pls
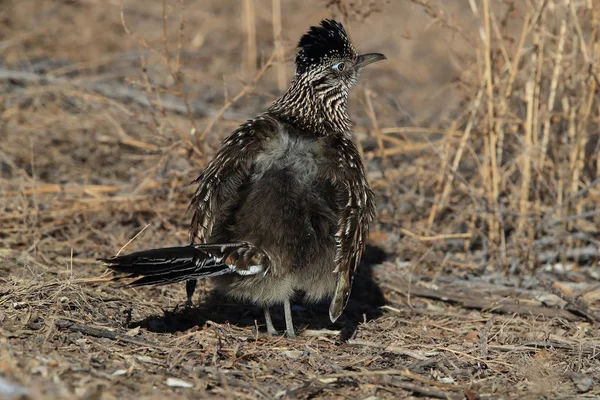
(284, 206)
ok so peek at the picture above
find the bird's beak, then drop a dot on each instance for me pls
(365, 59)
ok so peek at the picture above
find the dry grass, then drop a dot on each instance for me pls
(481, 140)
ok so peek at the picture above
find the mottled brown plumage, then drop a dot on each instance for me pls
(284, 206)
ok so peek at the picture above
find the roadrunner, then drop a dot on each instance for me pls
(284, 206)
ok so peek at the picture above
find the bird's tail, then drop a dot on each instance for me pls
(175, 264)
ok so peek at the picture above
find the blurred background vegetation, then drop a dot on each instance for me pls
(481, 130)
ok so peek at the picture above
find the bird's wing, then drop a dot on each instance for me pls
(226, 172)
(356, 209)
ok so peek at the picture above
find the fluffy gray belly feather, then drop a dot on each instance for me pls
(287, 210)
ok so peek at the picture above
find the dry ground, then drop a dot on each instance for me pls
(481, 279)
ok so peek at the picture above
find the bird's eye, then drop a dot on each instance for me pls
(338, 66)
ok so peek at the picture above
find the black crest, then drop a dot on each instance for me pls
(322, 43)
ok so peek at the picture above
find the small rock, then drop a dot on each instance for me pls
(20, 304)
(149, 360)
(448, 380)
(551, 300)
(174, 382)
(133, 332)
(10, 390)
(293, 354)
(119, 372)
(328, 380)
(582, 382)
(41, 370)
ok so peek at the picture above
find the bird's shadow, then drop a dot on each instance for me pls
(364, 304)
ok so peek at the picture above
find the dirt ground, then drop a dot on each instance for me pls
(481, 279)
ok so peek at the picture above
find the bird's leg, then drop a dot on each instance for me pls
(270, 328)
(190, 288)
(289, 324)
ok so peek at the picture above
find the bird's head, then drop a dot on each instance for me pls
(327, 67)
(328, 61)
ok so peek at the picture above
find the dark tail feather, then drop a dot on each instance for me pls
(171, 264)
(176, 264)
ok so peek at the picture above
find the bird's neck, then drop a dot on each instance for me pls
(320, 112)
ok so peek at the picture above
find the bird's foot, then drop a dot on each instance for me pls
(269, 322)
(289, 324)
(190, 288)
(290, 333)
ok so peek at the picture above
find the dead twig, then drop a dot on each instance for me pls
(434, 238)
(176, 71)
(483, 336)
(425, 391)
(102, 333)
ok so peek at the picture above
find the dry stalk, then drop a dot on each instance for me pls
(280, 56)
(582, 44)
(582, 140)
(150, 90)
(176, 72)
(250, 28)
(446, 146)
(552, 96)
(441, 201)
(375, 123)
(527, 155)
(490, 171)
(530, 144)
(571, 187)
(517, 57)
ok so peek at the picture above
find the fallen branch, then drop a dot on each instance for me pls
(534, 346)
(506, 306)
(102, 333)
(572, 303)
(389, 348)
